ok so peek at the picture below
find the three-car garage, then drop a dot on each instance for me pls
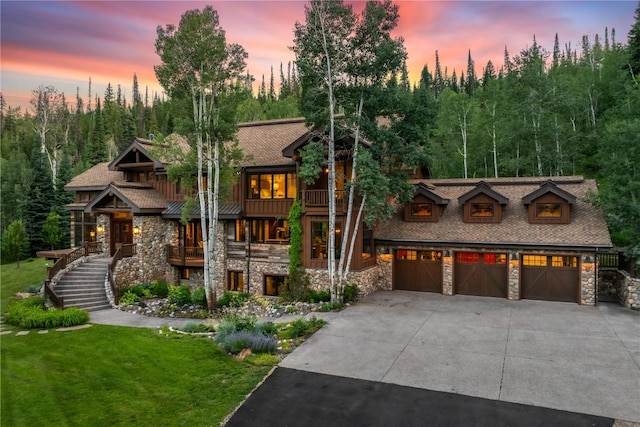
(541, 277)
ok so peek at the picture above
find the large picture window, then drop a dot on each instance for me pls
(272, 186)
(84, 228)
(271, 230)
(320, 239)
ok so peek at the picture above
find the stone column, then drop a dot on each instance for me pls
(447, 272)
(514, 276)
(588, 280)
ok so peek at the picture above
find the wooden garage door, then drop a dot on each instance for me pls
(482, 274)
(550, 278)
(418, 270)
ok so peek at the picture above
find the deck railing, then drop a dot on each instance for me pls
(180, 255)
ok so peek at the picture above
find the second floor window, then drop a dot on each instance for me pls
(272, 186)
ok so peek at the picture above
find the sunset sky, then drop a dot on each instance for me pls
(63, 43)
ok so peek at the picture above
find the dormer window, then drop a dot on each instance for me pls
(548, 210)
(483, 210)
(549, 204)
(482, 204)
(426, 206)
(421, 210)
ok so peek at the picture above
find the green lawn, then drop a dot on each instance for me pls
(31, 272)
(110, 376)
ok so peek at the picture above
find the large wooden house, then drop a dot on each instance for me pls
(510, 237)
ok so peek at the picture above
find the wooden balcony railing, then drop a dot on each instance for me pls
(185, 256)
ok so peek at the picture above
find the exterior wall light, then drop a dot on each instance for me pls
(136, 231)
(100, 229)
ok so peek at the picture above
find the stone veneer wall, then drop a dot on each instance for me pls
(366, 280)
(150, 262)
(629, 290)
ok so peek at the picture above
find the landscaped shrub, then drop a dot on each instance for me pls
(129, 298)
(160, 289)
(31, 313)
(179, 295)
(350, 293)
(331, 306)
(302, 327)
(199, 296)
(319, 296)
(258, 343)
(234, 323)
(296, 286)
(268, 329)
(232, 299)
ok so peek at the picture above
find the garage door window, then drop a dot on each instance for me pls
(564, 261)
(534, 260)
(471, 257)
(430, 256)
(494, 258)
(407, 255)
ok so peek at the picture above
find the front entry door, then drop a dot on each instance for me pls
(121, 234)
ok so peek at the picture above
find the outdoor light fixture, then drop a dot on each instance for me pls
(446, 253)
(136, 231)
(100, 229)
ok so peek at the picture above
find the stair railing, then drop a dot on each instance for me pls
(84, 250)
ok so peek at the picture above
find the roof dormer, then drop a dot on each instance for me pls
(426, 205)
(549, 204)
(482, 204)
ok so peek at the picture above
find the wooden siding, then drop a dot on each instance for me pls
(261, 208)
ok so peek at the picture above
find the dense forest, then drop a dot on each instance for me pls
(566, 111)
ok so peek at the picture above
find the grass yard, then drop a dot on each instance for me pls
(31, 272)
(118, 376)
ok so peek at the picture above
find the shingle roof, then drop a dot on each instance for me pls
(225, 211)
(263, 142)
(139, 197)
(587, 226)
(95, 178)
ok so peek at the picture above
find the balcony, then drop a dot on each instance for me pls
(183, 256)
(319, 200)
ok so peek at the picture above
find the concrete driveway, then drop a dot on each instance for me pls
(554, 355)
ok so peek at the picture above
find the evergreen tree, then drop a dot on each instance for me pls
(41, 196)
(438, 80)
(97, 149)
(472, 81)
(556, 53)
(272, 89)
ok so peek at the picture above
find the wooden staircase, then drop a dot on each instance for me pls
(83, 287)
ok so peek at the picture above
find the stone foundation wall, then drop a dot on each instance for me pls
(514, 278)
(150, 262)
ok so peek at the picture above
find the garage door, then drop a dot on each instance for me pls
(550, 278)
(480, 274)
(418, 270)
